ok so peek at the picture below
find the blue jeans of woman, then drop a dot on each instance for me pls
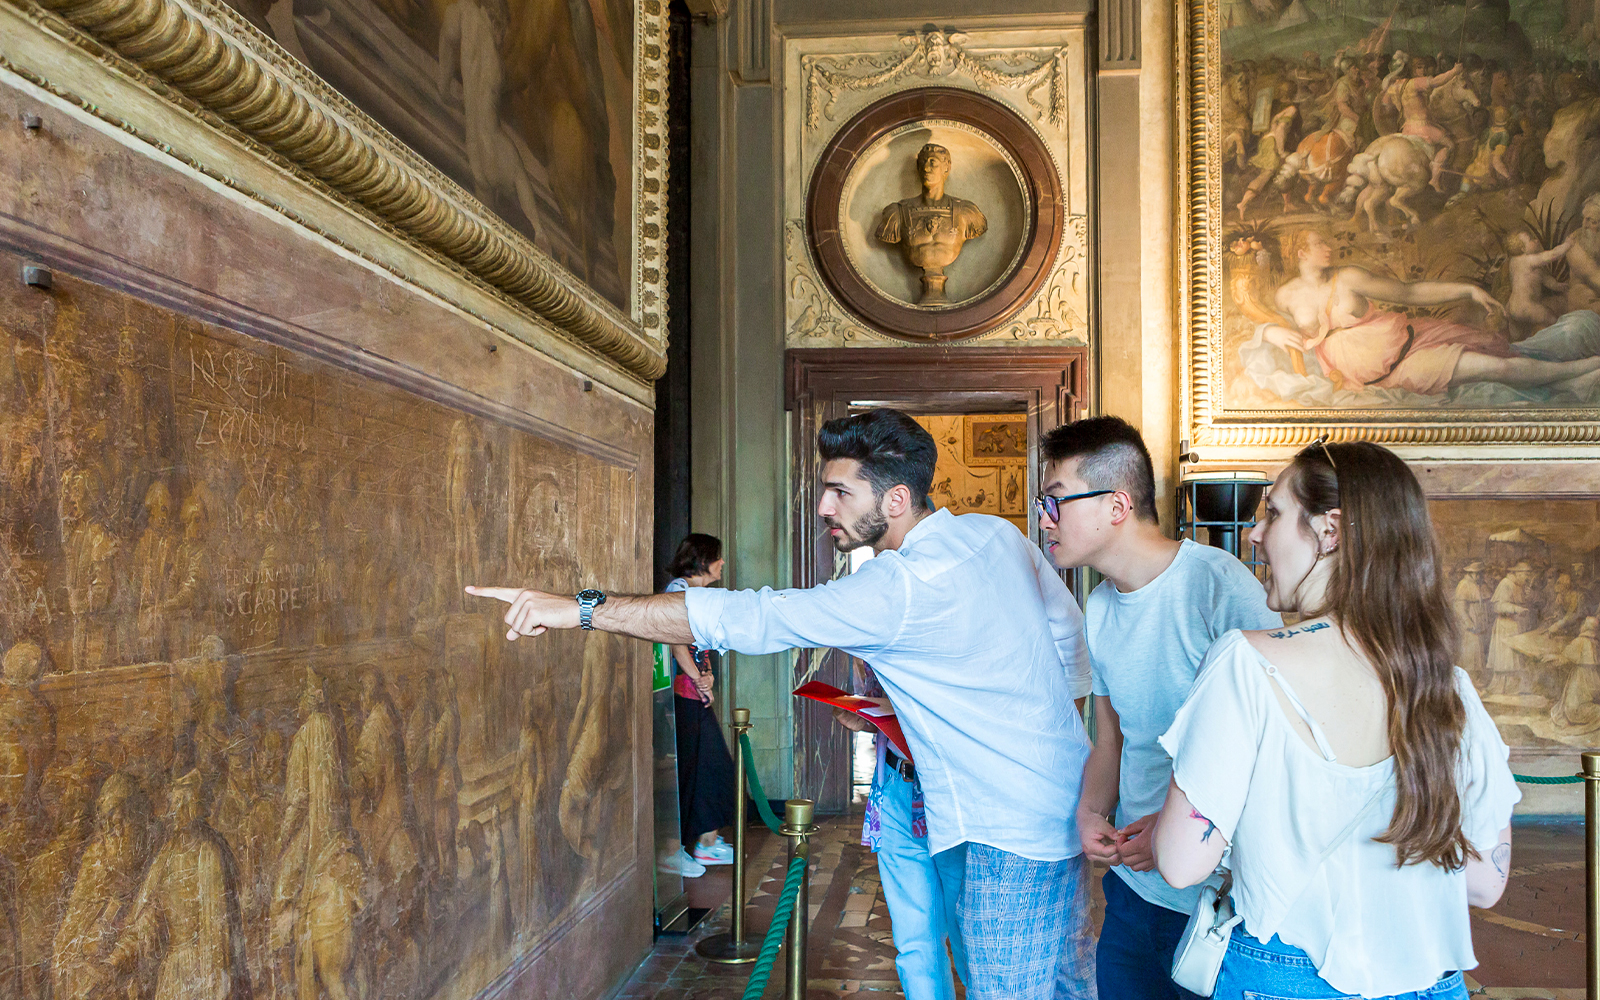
(1276, 971)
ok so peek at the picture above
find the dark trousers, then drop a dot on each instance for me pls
(1134, 959)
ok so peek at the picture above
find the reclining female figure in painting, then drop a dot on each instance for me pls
(1330, 311)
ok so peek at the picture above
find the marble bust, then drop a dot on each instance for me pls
(931, 227)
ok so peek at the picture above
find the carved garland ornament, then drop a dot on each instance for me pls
(936, 53)
(272, 102)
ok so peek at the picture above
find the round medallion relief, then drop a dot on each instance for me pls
(935, 214)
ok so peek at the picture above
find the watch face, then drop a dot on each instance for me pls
(591, 594)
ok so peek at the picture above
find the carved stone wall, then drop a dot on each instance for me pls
(1040, 74)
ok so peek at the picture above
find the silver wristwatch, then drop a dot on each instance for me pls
(588, 600)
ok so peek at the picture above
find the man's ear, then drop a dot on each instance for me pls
(1121, 507)
(897, 501)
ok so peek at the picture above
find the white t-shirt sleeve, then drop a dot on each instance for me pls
(1215, 739)
(1488, 791)
(1241, 603)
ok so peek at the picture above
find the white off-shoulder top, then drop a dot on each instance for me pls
(1372, 928)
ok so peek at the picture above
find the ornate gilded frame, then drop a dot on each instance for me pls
(1208, 424)
(206, 59)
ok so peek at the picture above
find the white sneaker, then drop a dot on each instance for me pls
(720, 853)
(680, 863)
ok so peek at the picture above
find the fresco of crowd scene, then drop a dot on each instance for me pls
(1410, 202)
(252, 742)
(1526, 592)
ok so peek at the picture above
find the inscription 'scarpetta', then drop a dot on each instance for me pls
(252, 743)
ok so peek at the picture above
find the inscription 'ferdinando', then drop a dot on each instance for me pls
(931, 227)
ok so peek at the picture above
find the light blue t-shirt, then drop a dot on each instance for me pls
(1144, 649)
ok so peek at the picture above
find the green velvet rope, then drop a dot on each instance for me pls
(756, 791)
(780, 923)
(1559, 779)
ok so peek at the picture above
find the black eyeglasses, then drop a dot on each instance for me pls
(1049, 506)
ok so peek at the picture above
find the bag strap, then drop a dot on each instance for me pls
(1350, 828)
(1334, 845)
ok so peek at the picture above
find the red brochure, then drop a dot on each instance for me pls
(881, 716)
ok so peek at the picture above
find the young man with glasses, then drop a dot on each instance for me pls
(1149, 623)
(979, 646)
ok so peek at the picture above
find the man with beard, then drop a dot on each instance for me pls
(980, 649)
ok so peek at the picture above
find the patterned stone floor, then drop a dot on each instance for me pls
(1530, 946)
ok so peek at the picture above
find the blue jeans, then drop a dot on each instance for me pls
(1025, 924)
(1134, 960)
(922, 904)
(1276, 971)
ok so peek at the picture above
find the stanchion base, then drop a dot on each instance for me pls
(721, 948)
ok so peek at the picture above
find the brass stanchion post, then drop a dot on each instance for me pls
(1591, 815)
(732, 948)
(797, 826)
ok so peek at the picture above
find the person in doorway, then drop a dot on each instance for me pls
(922, 903)
(976, 641)
(1361, 833)
(705, 769)
(1160, 607)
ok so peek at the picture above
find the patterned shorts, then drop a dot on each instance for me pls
(1026, 927)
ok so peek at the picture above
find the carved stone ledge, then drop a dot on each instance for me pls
(254, 90)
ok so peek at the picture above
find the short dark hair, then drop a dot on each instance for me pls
(893, 449)
(695, 555)
(1112, 457)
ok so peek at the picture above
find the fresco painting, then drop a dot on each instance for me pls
(252, 741)
(1524, 581)
(1410, 205)
(982, 465)
(527, 104)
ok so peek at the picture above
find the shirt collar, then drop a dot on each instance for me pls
(928, 525)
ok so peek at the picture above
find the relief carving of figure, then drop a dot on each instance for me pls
(309, 837)
(383, 821)
(932, 227)
(444, 743)
(527, 794)
(91, 554)
(594, 773)
(154, 567)
(1514, 615)
(465, 509)
(186, 921)
(102, 895)
(187, 606)
(27, 745)
(1472, 620)
(44, 880)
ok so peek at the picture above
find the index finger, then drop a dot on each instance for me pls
(507, 594)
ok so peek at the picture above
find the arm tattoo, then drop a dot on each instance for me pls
(1212, 827)
(1500, 857)
(1286, 633)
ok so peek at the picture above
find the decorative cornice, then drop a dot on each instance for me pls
(208, 59)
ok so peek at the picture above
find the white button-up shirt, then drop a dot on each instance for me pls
(980, 648)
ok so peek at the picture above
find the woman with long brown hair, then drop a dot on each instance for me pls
(1346, 761)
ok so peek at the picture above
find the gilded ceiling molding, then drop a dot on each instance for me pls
(935, 54)
(252, 88)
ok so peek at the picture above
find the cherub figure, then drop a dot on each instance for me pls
(1528, 262)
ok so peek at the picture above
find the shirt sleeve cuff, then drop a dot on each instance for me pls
(704, 605)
